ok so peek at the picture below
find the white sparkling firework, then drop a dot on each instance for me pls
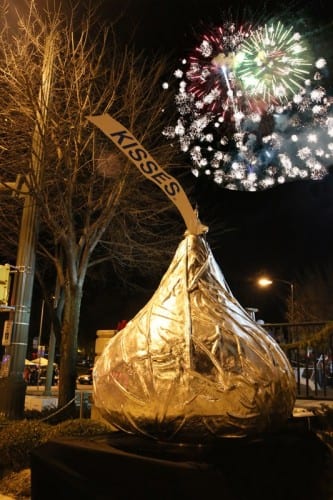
(273, 63)
(253, 112)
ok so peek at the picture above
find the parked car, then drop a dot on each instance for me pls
(86, 378)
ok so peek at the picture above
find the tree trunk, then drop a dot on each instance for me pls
(68, 349)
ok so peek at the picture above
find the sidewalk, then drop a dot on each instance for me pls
(36, 399)
(313, 403)
(308, 407)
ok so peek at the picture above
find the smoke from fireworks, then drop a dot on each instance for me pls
(252, 109)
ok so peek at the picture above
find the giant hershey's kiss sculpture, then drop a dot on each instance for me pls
(192, 364)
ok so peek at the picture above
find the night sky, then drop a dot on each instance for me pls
(282, 231)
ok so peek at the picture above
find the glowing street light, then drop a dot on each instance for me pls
(265, 281)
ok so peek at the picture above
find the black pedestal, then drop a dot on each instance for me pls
(291, 465)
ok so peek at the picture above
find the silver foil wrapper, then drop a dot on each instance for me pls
(192, 364)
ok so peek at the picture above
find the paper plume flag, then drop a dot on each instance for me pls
(138, 155)
(192, 364)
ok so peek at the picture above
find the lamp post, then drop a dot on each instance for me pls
(264, 281)
(12, 386)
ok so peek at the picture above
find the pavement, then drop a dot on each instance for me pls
(35, 396)
(39, 389)
(309, 407)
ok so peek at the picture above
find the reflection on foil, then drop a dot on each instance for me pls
(192, 364)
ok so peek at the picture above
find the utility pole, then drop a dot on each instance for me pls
(13, 386)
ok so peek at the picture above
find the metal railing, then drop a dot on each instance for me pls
(309, 348)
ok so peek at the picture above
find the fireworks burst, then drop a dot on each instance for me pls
(252, 110)
(209, 71)
(273, 63)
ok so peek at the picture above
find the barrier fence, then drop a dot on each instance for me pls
(309, 348)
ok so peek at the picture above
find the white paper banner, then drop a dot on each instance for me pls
(127, 143)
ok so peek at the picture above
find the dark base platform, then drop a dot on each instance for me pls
(289, 465)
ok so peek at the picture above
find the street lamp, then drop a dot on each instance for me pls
(264, 281)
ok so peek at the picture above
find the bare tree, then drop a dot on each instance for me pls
(313, 295)
(93, 205)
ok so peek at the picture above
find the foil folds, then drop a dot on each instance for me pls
(192, 364)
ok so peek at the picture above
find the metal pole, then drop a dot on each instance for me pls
(292, 303)
(41, 319)
(266, 282)
(13, 386)
(52, 347)
(292, 312)
(50, 364)
(39, 351)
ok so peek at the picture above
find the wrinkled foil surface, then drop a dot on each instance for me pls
(192, 364)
